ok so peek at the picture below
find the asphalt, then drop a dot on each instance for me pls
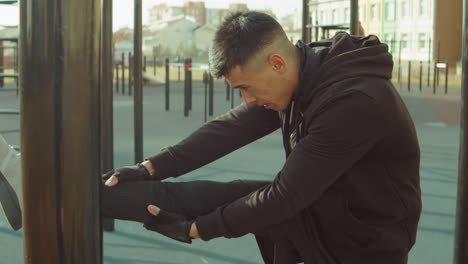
(436, 118)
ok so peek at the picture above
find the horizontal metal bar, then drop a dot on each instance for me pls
(8, 75)
(14, 39)
(6, 111)
(8, 2)
(326, 2)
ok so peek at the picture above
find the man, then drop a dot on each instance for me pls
(349, 189)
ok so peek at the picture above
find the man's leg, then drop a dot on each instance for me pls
(128, 201)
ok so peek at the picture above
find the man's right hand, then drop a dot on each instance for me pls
(130, 173)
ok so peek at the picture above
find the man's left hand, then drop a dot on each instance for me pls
(172, 225)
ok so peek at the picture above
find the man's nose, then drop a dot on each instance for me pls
(248, 97)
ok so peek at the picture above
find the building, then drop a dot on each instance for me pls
(292, 25)
(196, 10)
(418, 30)
(203, 37)
(170, 37)
(163, 12)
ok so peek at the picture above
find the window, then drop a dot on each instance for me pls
(422, 41)
(404, 41)
(347, 15)
(361, 14)
(335, 16)
(390, 10)
(375, 12)
(314, 18)
(423, 8)
(404, 9)
(323, 15)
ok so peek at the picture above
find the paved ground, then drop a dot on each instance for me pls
(436, 118)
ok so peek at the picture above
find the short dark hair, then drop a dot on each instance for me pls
(239, 37)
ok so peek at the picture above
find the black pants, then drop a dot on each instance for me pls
(128, 201)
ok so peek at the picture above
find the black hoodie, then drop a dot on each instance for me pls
(349, 189)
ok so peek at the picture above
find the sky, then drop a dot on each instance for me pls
(123, 9)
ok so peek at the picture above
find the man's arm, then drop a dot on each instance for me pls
(335, 141)
(238, 127)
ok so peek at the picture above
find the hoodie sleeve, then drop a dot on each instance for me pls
(335, 140)
(236, 128)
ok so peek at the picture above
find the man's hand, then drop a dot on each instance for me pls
(137, 172)
(171, 225)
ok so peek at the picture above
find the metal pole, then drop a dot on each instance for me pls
(166, 65)
(435, 77)
(144, 64)
(446, 76)
(117, 77)
(205, 82)
(420, 75)
(154, 65)
(305, 21)
(438, 60)
(354, 23)
(107, 125)
(461, 230)
(399, 65)
(2, 80)
(138, 79)
(190, 84)
(130, 74)
(123, 73)
(211, 95)
(429, 65)
(227, 90)
(186, 108)
(60, 109)
(409, 76)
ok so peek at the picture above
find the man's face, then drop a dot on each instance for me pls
(263, 83)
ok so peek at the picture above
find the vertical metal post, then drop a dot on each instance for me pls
(144, 64)
(438, 60)
(461, 227)
(227, 90)
(305, 21)
(189, 69)
(2, 80)
(446, 76)
(138, 80)
(435, 77)
(123, 73)
(130, 74)
(429, 65)
(205, 82)
(154, 65)
(211, 95)
(420, 75)
(60, 109)
(399, 65)
(15, 65)
(409, 76)
(166, 65)
(117, 77)
(178, 72)
(354, 23)
(107, 124)
(186, 108)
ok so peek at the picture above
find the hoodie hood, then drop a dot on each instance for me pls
(340, 58)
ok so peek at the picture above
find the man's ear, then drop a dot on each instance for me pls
(277, 63)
